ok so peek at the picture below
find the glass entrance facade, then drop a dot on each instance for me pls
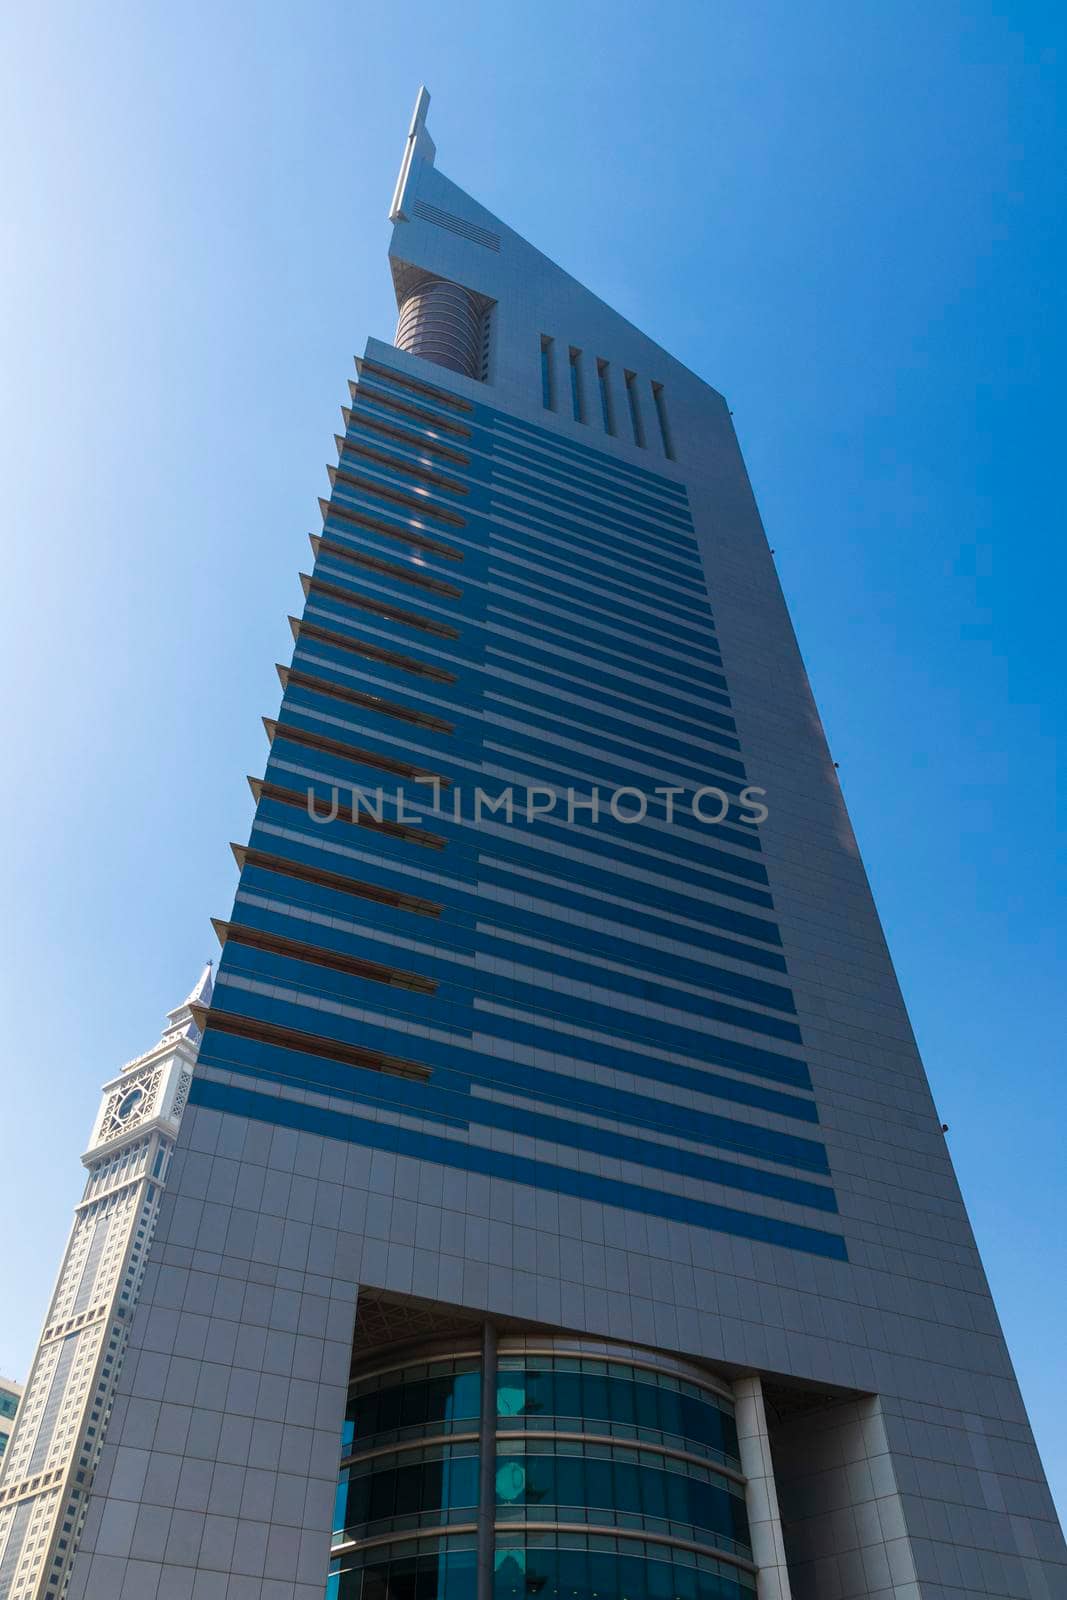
(615, 1473)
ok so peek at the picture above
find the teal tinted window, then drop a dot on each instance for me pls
(396, 1489)
(409, 1404)
(606, 1484)
(623, 1398)
(441, 1575)
(600, 1575)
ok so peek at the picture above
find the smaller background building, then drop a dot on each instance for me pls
(10, 1395)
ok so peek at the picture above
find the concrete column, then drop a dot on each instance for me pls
(487, 1466)
(761, 1496)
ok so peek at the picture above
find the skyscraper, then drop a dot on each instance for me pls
(58, 1431)
(561, 1207)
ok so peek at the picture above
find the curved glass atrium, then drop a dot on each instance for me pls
(614, 1474)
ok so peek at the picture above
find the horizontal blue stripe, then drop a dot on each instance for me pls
(446, 1099)
(454, 1062)
(675, 564)
(370, 855)
(550, 922)
(712, 762)
(664, 528)
(631, 691)
(657, 915)
(570, 449)
(709, 1047)
(507, 1001)
(513, 1169)
(597, 568)
(597, 472)
(604, 484)
(509, 530)
(626, 608)
(609, 647)
(450, 966)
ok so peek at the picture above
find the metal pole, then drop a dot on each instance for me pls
(487, 1465)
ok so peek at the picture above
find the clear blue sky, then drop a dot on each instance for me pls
(848, 217)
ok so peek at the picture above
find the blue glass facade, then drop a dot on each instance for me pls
(494, 610)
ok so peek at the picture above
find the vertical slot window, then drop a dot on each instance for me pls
(576, 385)
(605, 396)
(487, 328)
(635, 410)
(548, 397)
(661, 417)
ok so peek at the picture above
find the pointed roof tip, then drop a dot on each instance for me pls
(418, 144)
(201, 991)
(198, 996)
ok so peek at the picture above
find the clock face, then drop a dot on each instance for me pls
(128, 1104)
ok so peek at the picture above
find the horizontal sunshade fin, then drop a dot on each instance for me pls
(263, 789)
(370, 394)
(442, 397)
(306, 1043)
(357, 697)
(373, 652)
(399, 464)
(390, 530)
(350, 752)
(321, 956)
(392, 569)
(380, 608)
(304, 872)
(415, 441)
(385, 491)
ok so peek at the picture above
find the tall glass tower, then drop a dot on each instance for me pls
(561, 1208)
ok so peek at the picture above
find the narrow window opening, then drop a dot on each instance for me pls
(635, 410)
(605, 396)
(664, 425)
(548, 398)
(576, 385)
(487, 326)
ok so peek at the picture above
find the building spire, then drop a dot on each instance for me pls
(419, 147)
(181, 1021)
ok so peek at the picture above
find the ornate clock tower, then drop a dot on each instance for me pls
(48, 1466)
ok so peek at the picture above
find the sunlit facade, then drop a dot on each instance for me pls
(561, 1208)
